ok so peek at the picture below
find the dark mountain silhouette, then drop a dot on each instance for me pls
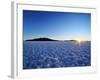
(48, 39)
(41, 39)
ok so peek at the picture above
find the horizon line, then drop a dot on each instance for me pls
(56, 39)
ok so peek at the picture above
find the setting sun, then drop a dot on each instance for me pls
(79, 40)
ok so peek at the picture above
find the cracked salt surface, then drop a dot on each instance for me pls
(41, 54)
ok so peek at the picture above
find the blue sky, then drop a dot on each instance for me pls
(56, 25)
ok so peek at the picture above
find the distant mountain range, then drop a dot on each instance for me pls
(47, 39)
(41, 39)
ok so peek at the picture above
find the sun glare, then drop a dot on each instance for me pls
(79, 41)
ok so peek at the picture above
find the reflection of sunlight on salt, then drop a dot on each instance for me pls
(79, 41)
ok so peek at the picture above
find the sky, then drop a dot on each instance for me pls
(56, 25)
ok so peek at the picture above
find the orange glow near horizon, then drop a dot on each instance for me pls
(79, 40)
